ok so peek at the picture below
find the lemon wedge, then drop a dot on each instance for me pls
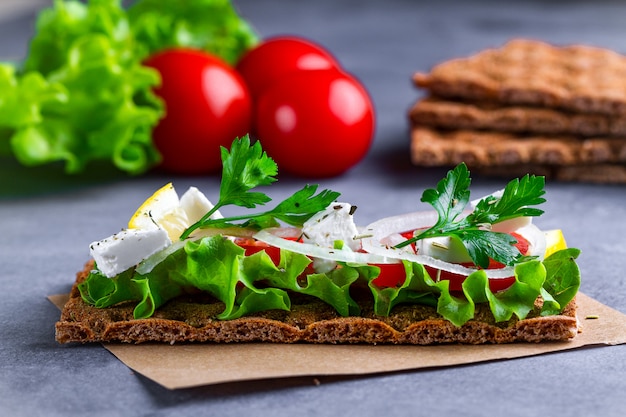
(555, 241)
(165, 210)
(160, 210)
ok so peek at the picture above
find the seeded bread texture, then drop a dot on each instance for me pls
(192, 319)
(440, 113)
(482, 148)
(576, 78)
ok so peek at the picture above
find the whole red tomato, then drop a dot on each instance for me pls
(315, 123)
(207, 106)
(274, 58)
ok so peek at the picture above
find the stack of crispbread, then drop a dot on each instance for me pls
(526, 107)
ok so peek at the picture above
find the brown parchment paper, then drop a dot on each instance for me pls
(191, 365)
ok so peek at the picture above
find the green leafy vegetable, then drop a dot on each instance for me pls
(332, 288)
(210, 25)
(219, 267)
(557, 277)
(563, 280)
(211, 265)
(414, 290)
(450, 199)
(97, 102)
(249, 284)
(215, 265)
(32, 89)
(246, 167)
(82, 93)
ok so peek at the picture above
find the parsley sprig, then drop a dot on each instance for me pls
(474, 230)
(246, 167)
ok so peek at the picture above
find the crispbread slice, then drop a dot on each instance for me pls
(189, 319)
(440, 113)
(432, 147)
(600, 174)
(525, 72)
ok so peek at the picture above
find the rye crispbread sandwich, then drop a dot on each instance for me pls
(467, 272)
(525, 107)
(192, 319)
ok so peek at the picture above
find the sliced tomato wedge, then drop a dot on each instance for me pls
(252, 246)
(393, 275)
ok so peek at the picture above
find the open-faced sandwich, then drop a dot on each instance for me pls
(466, 272)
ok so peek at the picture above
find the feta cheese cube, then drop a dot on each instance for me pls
(329, 226)
(125, 249)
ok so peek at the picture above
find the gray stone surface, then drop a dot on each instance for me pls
(47, 221)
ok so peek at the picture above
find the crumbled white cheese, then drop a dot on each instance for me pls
(125, 249)
(330, 228)
(195, 205)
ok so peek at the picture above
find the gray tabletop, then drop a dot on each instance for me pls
(47, 220)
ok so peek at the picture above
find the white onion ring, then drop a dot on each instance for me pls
(375, 251)
(379, 230)
(148, 264)
(276, 237)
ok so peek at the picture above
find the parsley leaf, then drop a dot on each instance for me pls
(301, 206)
(483, 245)
(474, 230)
(246, 167)
(450, 197)
(243, 169)
(514, 202)
(294, 210)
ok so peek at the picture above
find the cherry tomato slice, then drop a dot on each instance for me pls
(252, 246)
(391, 275)
(523, 245)
(207, 106)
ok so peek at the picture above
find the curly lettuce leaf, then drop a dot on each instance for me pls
(210, 25)
(101, 291)
(218, 267)
(556, 279)
(420, 288)
(250, 284)
(414, 290)
(563, 280)
(214, 265)
(332, 288)
(89, 96)
(518, 299)
(59, 27)
(23, 99)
